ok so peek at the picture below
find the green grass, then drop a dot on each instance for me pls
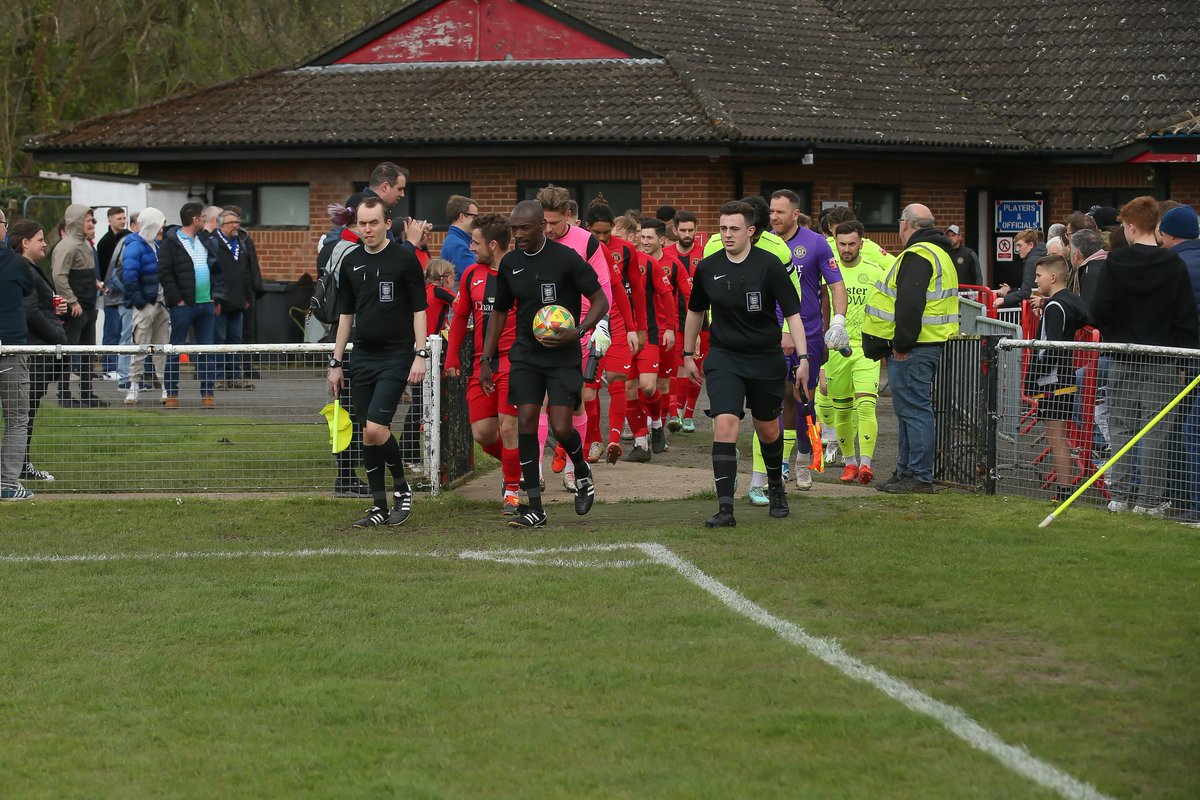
(352, 676)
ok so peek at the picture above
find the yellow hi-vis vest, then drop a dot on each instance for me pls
(939, 320)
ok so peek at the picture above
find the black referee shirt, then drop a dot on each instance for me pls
(382, 290)
(742, 298)
(556, 275)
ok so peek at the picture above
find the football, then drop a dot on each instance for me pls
(549, 320)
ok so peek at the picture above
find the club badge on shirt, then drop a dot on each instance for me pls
(754, 301)
(386, 291)
(549, 293)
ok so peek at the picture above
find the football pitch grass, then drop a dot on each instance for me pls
(863, 648)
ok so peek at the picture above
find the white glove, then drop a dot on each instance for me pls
(601, 338)
(836, 337)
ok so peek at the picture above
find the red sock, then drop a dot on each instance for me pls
(510, 466)
(636, 413)
(678, 395)
(593, 424)
(616, 410)
(693, 394)
(654, 404)
(494, 449)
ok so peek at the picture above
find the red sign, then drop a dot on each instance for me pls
(1004, 248)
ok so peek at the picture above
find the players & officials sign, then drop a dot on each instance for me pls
(1014, 216)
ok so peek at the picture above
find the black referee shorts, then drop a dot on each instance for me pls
(377, 382)
(737, 380)
(530, 385)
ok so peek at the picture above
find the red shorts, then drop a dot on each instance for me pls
(618, 359)
(669, 359)
(647, 359)
(486, 406)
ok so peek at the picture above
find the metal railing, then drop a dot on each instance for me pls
(259, 430)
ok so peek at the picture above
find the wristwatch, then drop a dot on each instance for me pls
(689, 354)
(423, 353)
(334, 363)
(802, 356)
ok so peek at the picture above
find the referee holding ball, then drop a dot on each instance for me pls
(537, 273)
(745, 366)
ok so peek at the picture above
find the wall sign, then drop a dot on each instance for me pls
(1014, 216)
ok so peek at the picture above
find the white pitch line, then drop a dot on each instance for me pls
(321, 552)
(955, 720)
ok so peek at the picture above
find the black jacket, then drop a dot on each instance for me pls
(1025, 290)
(240, 277)
(43, 326)
(14, 285)
(1144, 296)
(967, 264)
(177, 271)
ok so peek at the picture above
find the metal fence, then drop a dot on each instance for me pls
(262, 430)
(1063, 408)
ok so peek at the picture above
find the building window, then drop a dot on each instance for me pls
(1114, 198)
(877, 207)
(619, 195)
(270, 206)
(425, 201)
(768, 188)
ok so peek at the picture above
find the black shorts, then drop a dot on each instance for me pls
(377, 382)
(1055, 406)
(529, 385)
(737, 380)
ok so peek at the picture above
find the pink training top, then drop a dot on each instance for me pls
(582, 241)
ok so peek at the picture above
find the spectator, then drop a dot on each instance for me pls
(439, 282)
(14, 370)
(1144, 296)
(73, 269)
(909, 318)
(1030, 248)
(186, 271)
(1180, 232)
(144, 293)
(233, 258)
(460, 213)
(966, 261)
(114, 294)
(1077, 221)
(116, 277)
(387, 182)
(666, 215)
(210, 220)
(28, 242)
(249, 327)
(1087, 262)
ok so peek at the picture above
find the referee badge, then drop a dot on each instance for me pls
(754, 301)
(386, 291)
(549, 293)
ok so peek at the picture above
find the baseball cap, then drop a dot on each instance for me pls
(953, 229)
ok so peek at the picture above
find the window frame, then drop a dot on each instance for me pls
(1113, 195)
(804, 189)
(257, 200)
(856, 206)
(412, 190)
(575, 187)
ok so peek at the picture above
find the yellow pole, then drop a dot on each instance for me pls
(1117, 455)
(333, 437)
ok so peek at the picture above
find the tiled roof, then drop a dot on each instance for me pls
(992, 75)
(395, 104)
(1067, 76)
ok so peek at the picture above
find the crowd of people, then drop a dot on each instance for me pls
(788, 317)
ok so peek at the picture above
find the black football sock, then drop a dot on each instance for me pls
(574, 447)
(395, 464)
(772, 455)
(373, 459)
(724, 460)
(527, 448)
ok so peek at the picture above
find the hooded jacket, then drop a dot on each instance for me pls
(1144, 296)
(73, 262)
(1189, 251)
(139, 260)
(1025, 290)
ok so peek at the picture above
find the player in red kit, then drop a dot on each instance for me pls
(685, 393)
(493, 418)
(666, 270)
(628, 328)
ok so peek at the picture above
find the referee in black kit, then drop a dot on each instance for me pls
(745, 366)
(542, 272)
(381, 297)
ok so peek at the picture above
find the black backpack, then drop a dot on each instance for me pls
(324, 305)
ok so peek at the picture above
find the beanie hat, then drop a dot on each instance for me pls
(1105, 216)
(1180, 222)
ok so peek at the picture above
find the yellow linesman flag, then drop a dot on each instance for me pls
(340, 426)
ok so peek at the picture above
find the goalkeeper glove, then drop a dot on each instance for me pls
(601, 337)
(836, 337)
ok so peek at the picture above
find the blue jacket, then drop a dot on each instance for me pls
(457, 250)
(14, 285)
(139, 265)
(1189, 251)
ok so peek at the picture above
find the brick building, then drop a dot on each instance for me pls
(860, 102)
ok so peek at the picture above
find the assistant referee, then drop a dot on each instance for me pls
(381, 297)
(745, 365)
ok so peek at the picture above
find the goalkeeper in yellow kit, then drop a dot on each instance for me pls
(852, 382)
